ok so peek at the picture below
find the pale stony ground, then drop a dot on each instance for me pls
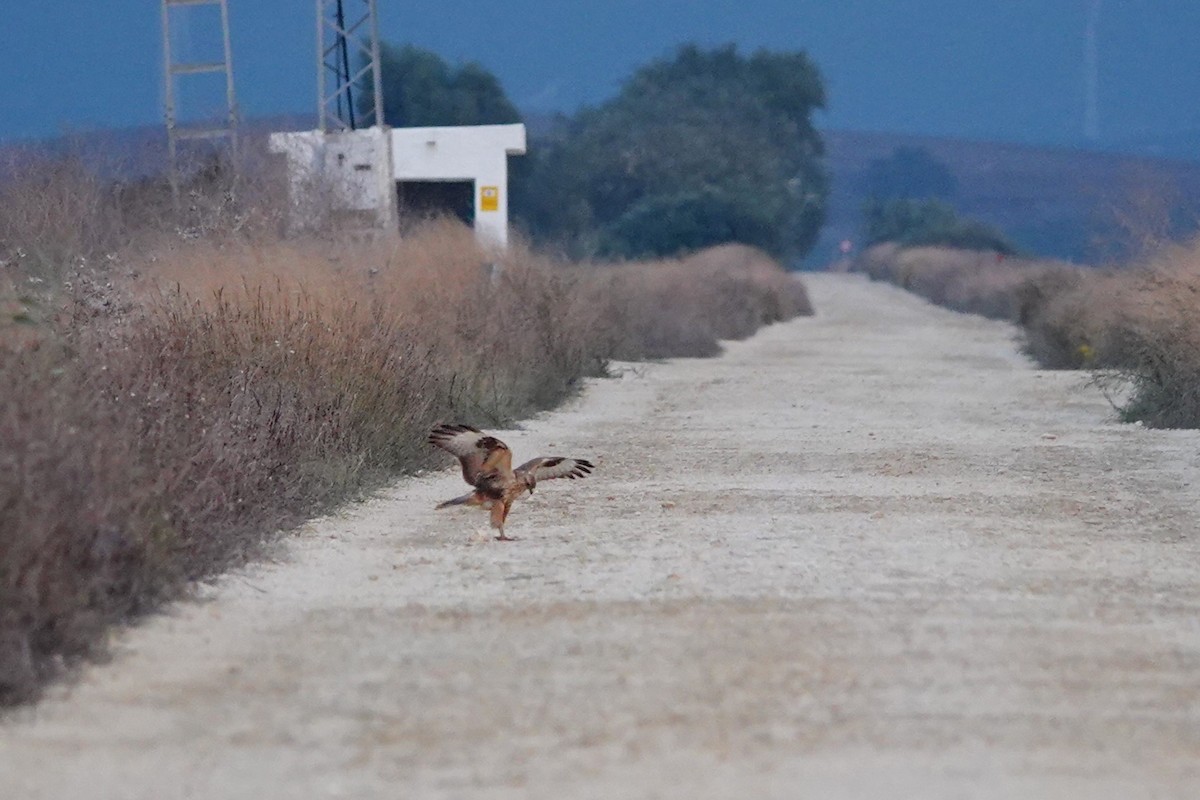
(869, 554)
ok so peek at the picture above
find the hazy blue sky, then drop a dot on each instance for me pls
(1008, 69)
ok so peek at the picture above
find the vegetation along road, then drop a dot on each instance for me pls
(871, 553)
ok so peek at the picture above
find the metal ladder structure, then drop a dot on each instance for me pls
(347, 53)
(176, 71)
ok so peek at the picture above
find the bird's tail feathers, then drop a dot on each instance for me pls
(458, 501)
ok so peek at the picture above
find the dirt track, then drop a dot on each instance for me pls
(868, 554)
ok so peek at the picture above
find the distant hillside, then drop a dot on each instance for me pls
(1052, 202)
(1184, 145)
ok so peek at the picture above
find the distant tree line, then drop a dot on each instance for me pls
(908, 196)
(704, 147)
(917, 223)
(420, 89)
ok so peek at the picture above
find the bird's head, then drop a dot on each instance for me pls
(530, 483)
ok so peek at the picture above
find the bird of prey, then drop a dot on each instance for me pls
(487, 466)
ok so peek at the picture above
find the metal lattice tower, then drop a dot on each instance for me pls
(347, 55)
(177, 72)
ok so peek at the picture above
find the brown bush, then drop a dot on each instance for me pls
(685, 307)
(55, 215)
(1068, 316)
(975, 282)
(1154, 338)
(62, 212)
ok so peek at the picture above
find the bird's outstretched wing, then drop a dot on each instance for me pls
(549, 467)
(480, 454)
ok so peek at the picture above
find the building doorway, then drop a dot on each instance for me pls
(422, 200)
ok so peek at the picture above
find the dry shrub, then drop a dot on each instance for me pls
(964, 280)
(517, 334)
(877, 262)
(62, 210)
(1069, 317)
(1140, 323)
(55, 215)
(685, 307)
(1154, 338)
(79, 531)
(174, 407)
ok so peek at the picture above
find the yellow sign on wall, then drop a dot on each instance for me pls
(489, 198)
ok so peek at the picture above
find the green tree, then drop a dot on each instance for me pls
(915, 223)
(707, 137)
(420, 88)
(662, 225)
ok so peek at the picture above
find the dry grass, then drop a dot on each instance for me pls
(976, 282)
(56, 215)
(684, 307)
(1140, 326)
(1153, 339)
(172, 400)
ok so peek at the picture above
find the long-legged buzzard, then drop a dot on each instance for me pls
(487, 466)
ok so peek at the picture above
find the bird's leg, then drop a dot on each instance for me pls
(502, 537)
(499, 515)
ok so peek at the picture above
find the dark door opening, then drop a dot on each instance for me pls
(419, 200)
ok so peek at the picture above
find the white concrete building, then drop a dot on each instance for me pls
(357, 171)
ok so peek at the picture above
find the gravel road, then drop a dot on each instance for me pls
(869, 554)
